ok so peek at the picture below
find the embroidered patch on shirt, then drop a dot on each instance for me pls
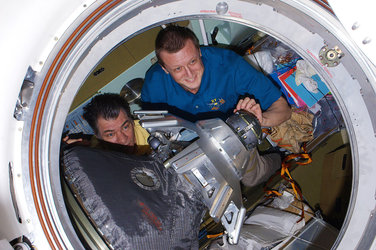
(216, 103)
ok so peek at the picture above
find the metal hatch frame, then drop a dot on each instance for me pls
(103, 25)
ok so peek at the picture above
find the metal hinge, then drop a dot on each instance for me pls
(24, 97)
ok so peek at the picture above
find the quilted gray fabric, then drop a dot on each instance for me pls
(135, 202)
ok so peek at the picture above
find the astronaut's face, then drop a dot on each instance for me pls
(185, 66)
(119, 130)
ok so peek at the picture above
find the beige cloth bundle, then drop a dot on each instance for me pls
(293, 132)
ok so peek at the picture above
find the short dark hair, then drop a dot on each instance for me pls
(106, 105)
(172, 39)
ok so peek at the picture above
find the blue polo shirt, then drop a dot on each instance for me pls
(226, 77)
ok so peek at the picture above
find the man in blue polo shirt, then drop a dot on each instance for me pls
(201, 83)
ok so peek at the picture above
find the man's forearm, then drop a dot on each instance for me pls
(276, 114)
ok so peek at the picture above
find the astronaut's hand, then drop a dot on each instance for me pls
(69, 141)
(250, 106)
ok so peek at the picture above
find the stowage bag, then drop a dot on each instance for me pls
(134, 201)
